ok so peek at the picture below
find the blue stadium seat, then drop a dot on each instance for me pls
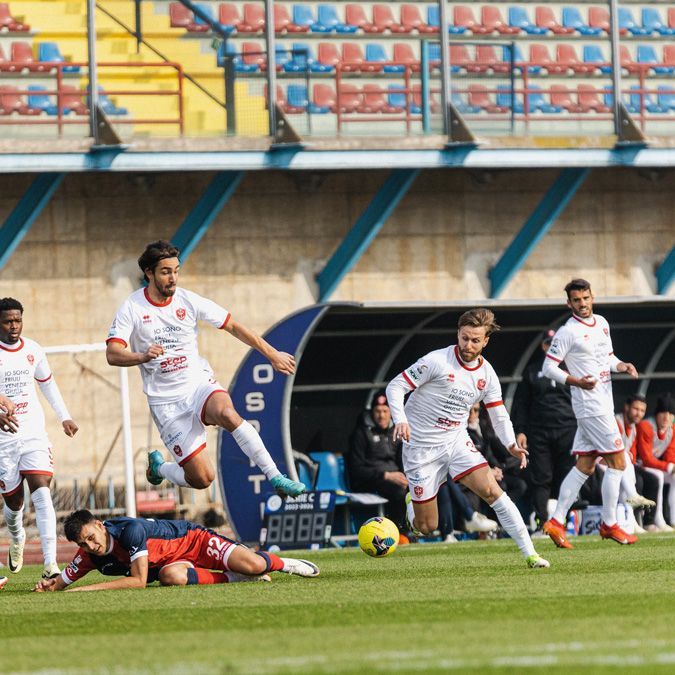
(627, 21)
(433, 20)
(634, 104)
(518, 58)
(108, 107)
(282, 57)
(229, 49)
(49, 51)
(519, 19)
(571, 18)
(329, 20)
(666, 96)
(651, 18)
(593, 54)
(536, 101)
(503, 99)
(302, 16)
(42, 101)
(396, 97)
(331, 474)
(462, 105)
(647, 54)
(296, 97)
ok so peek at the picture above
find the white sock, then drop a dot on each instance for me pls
(14, 520)
(628, 479)
(511, 520)
(174, 473)
(248, 439)
(410, 510)
(569, 491)
(611, 484)
(45, 519)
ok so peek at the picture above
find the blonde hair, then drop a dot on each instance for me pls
(480, 317)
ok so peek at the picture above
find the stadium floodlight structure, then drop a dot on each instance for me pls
(129, 482)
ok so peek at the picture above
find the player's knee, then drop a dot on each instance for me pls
(252, 565)
(228, 418)
(427, 525)
(173, 575)
(202, 480)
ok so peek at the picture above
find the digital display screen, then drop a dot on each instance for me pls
(303, 522)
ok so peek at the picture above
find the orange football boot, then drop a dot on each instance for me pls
(617, 534)
(557, 533)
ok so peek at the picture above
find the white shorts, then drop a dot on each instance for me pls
(181, 424)
(21, 458)
(597, 436)
(427, 468)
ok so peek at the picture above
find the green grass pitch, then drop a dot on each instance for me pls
(427, 608)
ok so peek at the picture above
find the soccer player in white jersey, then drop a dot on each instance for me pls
(25, 449)
(158, 324)
(445, 384)
(585, 345)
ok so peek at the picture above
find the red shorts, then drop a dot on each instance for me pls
(203, 548)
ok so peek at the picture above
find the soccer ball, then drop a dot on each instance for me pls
(378, 537)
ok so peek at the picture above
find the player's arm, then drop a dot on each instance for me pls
(50, 390)
(560, 346)
(7, 405)
(281, 361)
(117, 354)
(138, 578)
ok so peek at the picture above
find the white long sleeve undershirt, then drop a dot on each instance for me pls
(51, 392)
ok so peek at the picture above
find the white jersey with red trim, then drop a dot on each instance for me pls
(628, 435)
(21, 365)
(140, 323)
(444, 389)
(586, 348)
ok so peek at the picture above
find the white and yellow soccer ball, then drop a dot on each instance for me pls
(378, 537)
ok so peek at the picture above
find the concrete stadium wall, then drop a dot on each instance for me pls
(77, 263)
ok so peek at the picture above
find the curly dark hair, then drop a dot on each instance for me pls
(154, 253)
(7, 304)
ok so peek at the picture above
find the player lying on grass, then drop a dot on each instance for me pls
(173, 552)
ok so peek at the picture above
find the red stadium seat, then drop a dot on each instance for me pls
(491, 18)
(352, 57)
(464, 17)
(411, 19)
(72, 98)
(355, 15)
(589, 99)
(668, 55)
(486, 56)
(545, 18)
(280, 97)
(561, 97)
(383, 17)
(627, 60)
(8, 22)
(459, 56)
(253, 54)
(228, 15)
(373, 100)
(4, 64)
(12, 102)
(349, 98)
(671, 17)
(403, 53)
(253, 20)
(598, 17)
(479, 97)
(282, 19)
(539, 56)
(22, 55)
(328, 54)
(568, 59)
(181, 17)
(324, 96)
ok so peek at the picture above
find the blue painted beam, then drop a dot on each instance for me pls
(198, 221)
(30, 206)
(536, 226)
(364, 230)
(665, 274)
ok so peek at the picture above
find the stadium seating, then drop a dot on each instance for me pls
(507, 100)
(545, 18)
(666, 96)
(571, 18)
(567, 58)
(411, 19)
(647, 54)
(11, 101)
(434, 21)
(593, 54)
(348, 99)
(627, 22)
(589, 99)
(491, 19)
(324, 97)
(9, 23)
(519, 18)
(355, 15)
(182, 17)
(328, 20)
(651, 20)
(384, 18)
(562, 97)
(49, 52)
(480, 98)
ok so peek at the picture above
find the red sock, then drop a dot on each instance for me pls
(208, 577)
(274, 562)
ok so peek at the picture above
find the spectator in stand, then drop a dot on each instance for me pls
(656, 452)
(544, 423)
(374, 459)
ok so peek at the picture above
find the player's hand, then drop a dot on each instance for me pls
(152, 352)
(7, 405)
(283, 363)
(45, 586)
(521, 439)
(402, 432)
(70, 428)
(628, 368)
(521, 453)
(8, 423)
(587, 382)
(396, 477)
